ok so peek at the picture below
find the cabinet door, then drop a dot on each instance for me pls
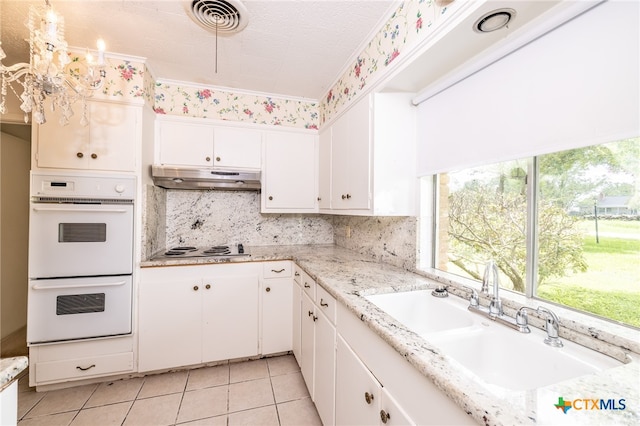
(324, 374)
(229, 317)
(357, 391)
(307, 340)
(324, 169)
(114, 133)
(340, 172)
(169, 324)
(237, 148)
(351, 158)
(58, 146)
(390, 412)
(277, 304)
(290, 172)
(359, 155)
(296, 342)
(185, 144)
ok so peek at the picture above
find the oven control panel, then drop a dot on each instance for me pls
(82, 186)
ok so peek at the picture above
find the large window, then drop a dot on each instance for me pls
(563, 227)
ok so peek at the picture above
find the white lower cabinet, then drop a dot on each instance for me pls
(318, 346)
(307, 340)
(277, 305)
(406, 395)
(296, 302)
(324, 367)
(195, 314)
(73, 361)
(360, 398)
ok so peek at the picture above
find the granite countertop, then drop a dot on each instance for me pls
(10, 368)
(349, 276)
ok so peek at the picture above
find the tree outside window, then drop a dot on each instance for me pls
(483, 215)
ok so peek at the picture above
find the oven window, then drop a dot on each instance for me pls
(82, 232)
(80, 304)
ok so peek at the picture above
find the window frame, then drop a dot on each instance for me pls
(428, 243)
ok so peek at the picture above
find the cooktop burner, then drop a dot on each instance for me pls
(213, 251)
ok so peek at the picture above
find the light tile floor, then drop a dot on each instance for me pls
(267, 391)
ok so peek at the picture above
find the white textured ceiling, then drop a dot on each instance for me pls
(294, 48)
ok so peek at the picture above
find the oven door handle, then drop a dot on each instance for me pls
(44, 209)
(57, 287)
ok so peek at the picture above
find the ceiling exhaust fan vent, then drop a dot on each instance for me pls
(221, 16)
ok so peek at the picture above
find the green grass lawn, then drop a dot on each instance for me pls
(611, 285)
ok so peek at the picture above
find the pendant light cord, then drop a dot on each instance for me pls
(216, 45)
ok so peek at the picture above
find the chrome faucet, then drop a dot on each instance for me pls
(491, 271)
(553, 326)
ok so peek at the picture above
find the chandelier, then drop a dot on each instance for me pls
(47, 75)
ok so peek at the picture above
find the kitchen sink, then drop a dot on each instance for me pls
(517, 361)
(495, 353)
(422, 313)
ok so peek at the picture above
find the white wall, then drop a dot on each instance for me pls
(15, 154)
(575, 86)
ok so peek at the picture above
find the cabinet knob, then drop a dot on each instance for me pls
(79, 155)
(348, 196)
(344, 197)
(384, 416)
(297, 274)
(270, 198)
(208, 286)
(368, 397)
(319, 199)
(323, 303)
(306, 285)
(217, 158)
(94, 156)
(268, 289)
(208, 159)
(195, 288)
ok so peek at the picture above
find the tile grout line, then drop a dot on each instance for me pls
(184, 390)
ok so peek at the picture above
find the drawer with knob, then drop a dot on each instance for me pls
(308, 285)
(326, 303)
(280, 269)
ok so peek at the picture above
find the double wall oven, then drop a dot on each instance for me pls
(81, 231)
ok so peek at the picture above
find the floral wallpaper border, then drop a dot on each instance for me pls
(210, 102)
(124, 81)
(411, 23)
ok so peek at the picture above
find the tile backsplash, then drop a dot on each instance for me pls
(212, 217)
(390, 240)
(175, 217)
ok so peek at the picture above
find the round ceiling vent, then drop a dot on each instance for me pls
(494, 20)
(221, 16)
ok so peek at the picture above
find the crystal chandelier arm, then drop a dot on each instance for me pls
(14, 72)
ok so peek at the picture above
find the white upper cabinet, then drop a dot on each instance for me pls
(324, 169)
(199, 143)
(109, 142)
(350, 159)
(373, 163)
(237, 148)
(289, 182)
(185, 144)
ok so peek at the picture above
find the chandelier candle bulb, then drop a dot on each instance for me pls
(52, 24)
(101, 48)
